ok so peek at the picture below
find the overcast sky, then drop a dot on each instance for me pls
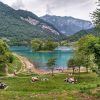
(76, 8)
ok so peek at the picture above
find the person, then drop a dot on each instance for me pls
(15, 73)
(35, 79)
(71, 80)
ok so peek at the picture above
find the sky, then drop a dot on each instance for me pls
(76, 8)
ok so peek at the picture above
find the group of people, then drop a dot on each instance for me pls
(34, 79)
(69, 79)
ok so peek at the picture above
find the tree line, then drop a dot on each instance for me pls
(46, 45)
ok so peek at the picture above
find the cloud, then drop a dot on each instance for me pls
(18, 4)
(76, 8)
(64, 3)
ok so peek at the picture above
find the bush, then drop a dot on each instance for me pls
(98, 85)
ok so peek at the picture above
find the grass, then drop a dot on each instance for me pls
(15, 66)
(21, 87)
(55, 89)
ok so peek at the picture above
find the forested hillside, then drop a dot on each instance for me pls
(20, 25)
(80, 34)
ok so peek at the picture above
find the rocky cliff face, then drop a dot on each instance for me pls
(67, 25)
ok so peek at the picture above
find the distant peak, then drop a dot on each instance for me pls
(68, 17)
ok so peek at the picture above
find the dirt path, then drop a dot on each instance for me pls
(28, 66)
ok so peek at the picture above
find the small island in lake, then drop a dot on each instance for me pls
(40, 45)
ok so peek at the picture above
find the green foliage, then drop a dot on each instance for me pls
(16, 65)
(19, 31)
(63, 43)
(5, 55)
(96, 51)
(51, 64)
(76, 61)
(43, 45)
(50, 45)
(82, 33)
(3, 47)
(36, 44)
(71, 62)
(96, 16)
(9, 57)
(88, 51)
(96, 47)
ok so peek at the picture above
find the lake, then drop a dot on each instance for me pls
(62, 54)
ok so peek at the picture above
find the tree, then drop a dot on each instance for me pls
(96, 51)
(5, 56)
(96, 20)
(64, 43)
(82, 60)
(72, 64)
(51, 64)
(50, 45)
(45, 45)
(78, 61)
(88, 49)
(3, 47)
(36, 44)
(96, 16)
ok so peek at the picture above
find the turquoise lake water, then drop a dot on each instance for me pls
(41, 58)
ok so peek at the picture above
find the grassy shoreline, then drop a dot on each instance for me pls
(21, 87)
(29, 65)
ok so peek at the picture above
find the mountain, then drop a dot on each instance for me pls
(78, 35)
(67, 25)
(21, 25)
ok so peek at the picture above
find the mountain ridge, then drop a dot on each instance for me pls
(82, 33)
(21, 25)
(66, 24)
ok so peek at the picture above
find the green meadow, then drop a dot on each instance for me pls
(21, 87)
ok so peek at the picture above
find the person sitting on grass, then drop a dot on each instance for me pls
(44, 79)
(71, 80)
(34, 79)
